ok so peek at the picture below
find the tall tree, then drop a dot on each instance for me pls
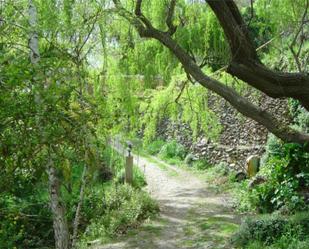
(244, 64)
(60, 224)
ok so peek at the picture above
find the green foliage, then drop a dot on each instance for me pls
(173, 150)
(122, 208)
(287, 173)
(191, 108)
(155, 147)
(273, 231)
(25, 221)
(83, 91)
(201, 164)
(116, 162)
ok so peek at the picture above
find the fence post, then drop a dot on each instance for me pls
(129, 169)
(129, 165)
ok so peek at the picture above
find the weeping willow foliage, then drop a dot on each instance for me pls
(180, 102)
(144, 78)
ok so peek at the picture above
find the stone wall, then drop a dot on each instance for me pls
(240, 136)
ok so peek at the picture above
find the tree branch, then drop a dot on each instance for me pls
(296, 54)
(245, 63)
(229, 94)
(169, 19)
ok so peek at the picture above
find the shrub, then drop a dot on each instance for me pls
(266, 229)
(287, 173)
(154, 147)
(121, 208)
(222, 169)
(274, 231)
(139, 180)
(173, 150)
(201, 164)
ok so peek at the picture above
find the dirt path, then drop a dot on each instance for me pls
(191, 215)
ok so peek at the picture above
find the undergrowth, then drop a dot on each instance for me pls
(274, 232)
(122, 207)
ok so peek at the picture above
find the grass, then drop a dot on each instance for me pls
(208, 231)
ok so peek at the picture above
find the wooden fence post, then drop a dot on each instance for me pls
(129, 169)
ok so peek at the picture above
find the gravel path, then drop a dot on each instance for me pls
(191, 216)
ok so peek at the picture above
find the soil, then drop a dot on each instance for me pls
(191, 214)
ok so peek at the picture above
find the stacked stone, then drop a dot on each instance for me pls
(240, 136)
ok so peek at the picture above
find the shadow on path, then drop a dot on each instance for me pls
(191, 215)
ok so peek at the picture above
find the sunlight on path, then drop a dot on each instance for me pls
(191, 215)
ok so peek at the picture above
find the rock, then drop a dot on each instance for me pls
(203, 141)
(230, 150)
(257, 180)
(190, 158)
(252, 165)
(232, 165)
(240, 136)
(240, 176)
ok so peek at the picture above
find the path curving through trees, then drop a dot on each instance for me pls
(191, 216)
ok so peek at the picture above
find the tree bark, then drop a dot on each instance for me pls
(79, 206)
(61, 230)
(245, 63)
(33, 39)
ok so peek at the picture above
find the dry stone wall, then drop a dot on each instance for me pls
(240, 136)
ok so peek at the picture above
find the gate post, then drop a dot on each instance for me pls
(129, 169)
(129, 166)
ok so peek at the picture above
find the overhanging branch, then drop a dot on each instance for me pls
(245, 63)
(229, 94)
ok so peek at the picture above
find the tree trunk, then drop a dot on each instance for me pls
(245, 63)
(61, 231)
(33, 38)
(79, 206)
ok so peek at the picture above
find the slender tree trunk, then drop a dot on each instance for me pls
(61, 231)
(79, 206)
(33, 38)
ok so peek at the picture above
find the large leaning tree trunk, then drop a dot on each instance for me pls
(245, 65)
(61, 231)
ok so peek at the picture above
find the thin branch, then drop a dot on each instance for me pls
(169, 19)
(252, 12)
(181, 91)
(296, 55)
(138, 8)
(90, 32)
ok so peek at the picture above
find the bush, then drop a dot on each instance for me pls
(139, 180)
(201, 164)
(266, 229)
(274, 231)
(287, 173)
(25, 222)
(173, 150)
(154, 147)
(121, 208)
